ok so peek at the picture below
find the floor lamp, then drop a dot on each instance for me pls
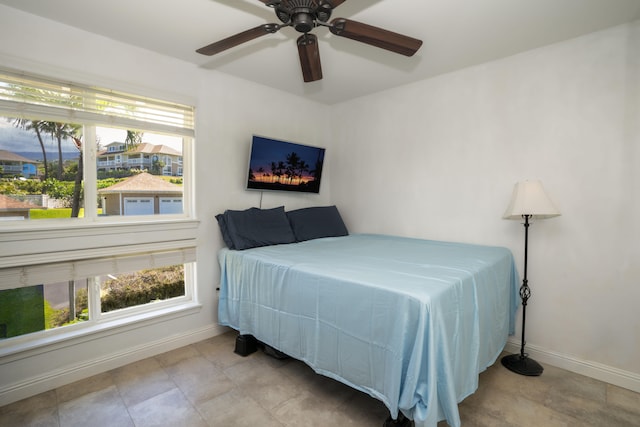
(528, 201)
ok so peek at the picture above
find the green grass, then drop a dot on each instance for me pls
(56, 213)
(22, 310)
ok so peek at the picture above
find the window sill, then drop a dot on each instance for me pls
(81, 333)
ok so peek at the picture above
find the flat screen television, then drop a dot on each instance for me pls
(284, 166)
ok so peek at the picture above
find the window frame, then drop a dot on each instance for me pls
(34, 242)
(99, 321)
(85, 112)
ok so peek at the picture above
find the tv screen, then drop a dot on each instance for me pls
(284, 166)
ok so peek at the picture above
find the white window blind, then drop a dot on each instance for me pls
(34, 97)
(18, 277)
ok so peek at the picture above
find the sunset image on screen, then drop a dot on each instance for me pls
(286, 166)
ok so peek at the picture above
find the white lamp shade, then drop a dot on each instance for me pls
(529, 198)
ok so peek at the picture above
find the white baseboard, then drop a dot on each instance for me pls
(51, 380)
(598, 371)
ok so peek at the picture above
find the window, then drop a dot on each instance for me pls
(135, 288)
(139, 178)
(92, 202)
(36, 308)
(63, 144)
(82, 293)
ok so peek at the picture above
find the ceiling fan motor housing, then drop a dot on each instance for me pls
(303, 14)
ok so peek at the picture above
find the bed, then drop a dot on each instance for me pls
(410, 322)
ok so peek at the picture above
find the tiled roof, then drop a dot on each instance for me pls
(7, 202)
(146, 148)
(142, 183)
(13, 157)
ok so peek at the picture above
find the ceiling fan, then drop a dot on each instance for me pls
(304, 16)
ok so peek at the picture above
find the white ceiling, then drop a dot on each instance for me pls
(456, 34)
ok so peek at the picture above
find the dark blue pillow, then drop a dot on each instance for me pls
(316, 222)
(255, 227)
(222, 223)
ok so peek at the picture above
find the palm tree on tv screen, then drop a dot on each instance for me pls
(292, 165)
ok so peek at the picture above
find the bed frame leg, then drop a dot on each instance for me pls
(402, 421)
(245, 345)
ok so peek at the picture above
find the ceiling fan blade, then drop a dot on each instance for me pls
(238, 39)
(309, 57)
(375, 36)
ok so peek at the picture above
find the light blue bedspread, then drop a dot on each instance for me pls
(410, 322)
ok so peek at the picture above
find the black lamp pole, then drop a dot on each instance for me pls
(521, 363)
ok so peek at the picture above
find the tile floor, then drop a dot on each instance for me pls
(206, 384)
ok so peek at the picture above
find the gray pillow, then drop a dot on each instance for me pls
(316, 222)
(255, 227)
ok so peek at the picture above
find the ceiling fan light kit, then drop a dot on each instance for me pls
(304, 16)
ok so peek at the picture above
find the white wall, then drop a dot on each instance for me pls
(229, 111)
(438, 159)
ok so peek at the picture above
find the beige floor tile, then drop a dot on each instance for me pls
(36, 411)
(199, 379)
(44, 400)
(519, 411)
(271, 389)
(103, 408)
(563, 382)
(252, 369)
(170, 408)
(37, 417)
(585, 399)
(299, 371)
(178, 355)
(320, 400)
(141, 380)
(308, 410)
(623, 399)
(533, 388)
(219, 350)
(238, 410)
(84, 387)
(362, 410)
(481, 419)
(324, 388)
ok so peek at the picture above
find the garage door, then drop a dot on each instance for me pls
(138, 206)
(171, 205)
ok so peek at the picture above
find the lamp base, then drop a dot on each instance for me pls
(522, 365)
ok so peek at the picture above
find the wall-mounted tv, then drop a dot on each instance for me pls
(284, 166)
